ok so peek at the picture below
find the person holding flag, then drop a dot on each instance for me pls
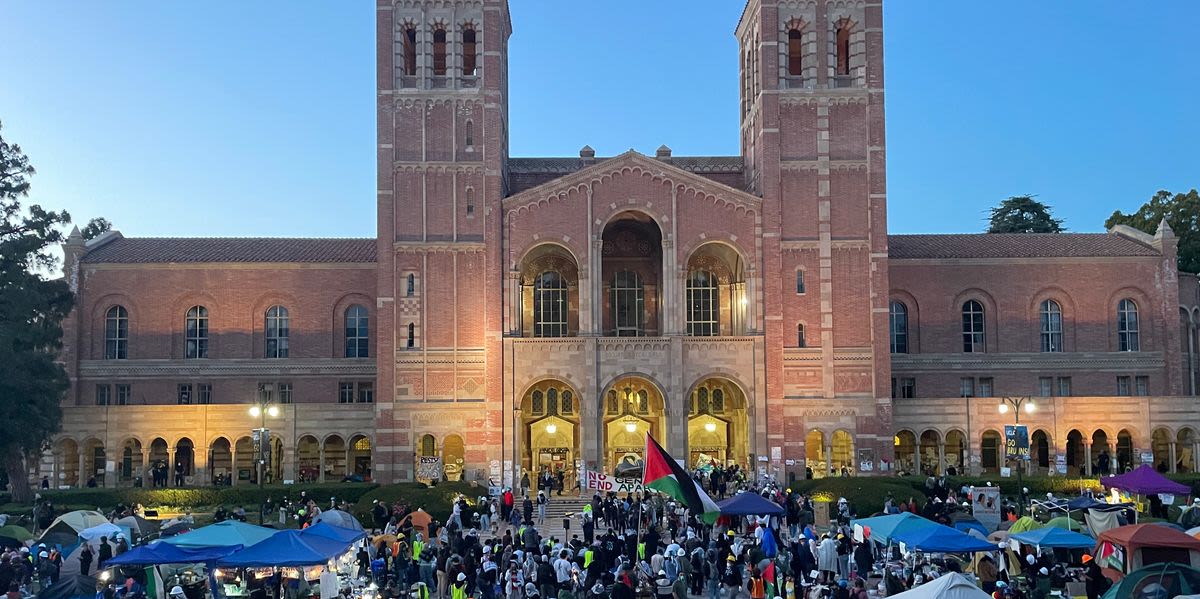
(663, 474)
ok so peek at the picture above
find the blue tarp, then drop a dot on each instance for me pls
(1055, 537)
(222, 534)
(965, 525)
(942, 539)
(287, 548)
(884, 528)
(329, 531)
(1084, 502)
(164, 553)
(749, 504)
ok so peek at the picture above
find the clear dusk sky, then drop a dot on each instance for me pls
(229, 118)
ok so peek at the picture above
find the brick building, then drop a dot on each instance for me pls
(545, 313)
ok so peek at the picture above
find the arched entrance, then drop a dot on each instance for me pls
(335, 458)
(426, 448)
(843, 453)
(308, 458)
(1101, 455)
(360, 457)
(816, 459)
(131, 462)
(989, 451)
(1075, 456)
(94, 458)
(243, 469)
(905, 447)
(185, 458)
(550, 426)
(714, 291)
(1039, 447)
(956, 452)
(633, 407)
(453, 454)
(717, 425)
(220, 461)
(68, 463)
(1124, 451)
(1185, 440)
(930, 464)
(631, 266)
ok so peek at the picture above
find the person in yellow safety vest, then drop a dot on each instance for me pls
(641, 548)
(417, 546)
(458, 590)
(418, 591)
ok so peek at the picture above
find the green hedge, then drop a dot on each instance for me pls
(205, 497)
(433, 499)
(865, 494)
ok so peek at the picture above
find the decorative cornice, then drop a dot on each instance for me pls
(1029, 361)
(824, 97)
(287, 367)
(425, 247)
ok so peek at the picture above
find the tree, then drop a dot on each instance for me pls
(1023, 214)
(32, 308)
(1182, 211)
(95, 228)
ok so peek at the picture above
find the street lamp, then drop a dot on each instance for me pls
(1018, 403)
(261, 410)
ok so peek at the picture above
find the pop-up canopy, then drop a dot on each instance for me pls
(884, 528)
(942, 539)
(329, 531)
(949, 586)
(222, 534)
(749, 504)
(1145, 481)
(1056, 538)
(165, 553)
(287, 548)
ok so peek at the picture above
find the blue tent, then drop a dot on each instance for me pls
(222, 534)
(1054, 537)
(942, 539)
(971, 524)
(287, 548)
(329, 531)
(884, 528)
(164, 553)
(749, 504)
(1086, 502)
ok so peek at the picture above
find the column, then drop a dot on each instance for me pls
(171, 466)
(597, 285)
(828, 459)
(349, 467)
(81, 478)
(321, 464)
(145, 466)
(751, 300)
(1087, 457)
(583, 288)
(941, 465)
(1172, 453)
(668, 312)
(233, 471)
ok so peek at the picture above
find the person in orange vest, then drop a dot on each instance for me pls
(756, 585)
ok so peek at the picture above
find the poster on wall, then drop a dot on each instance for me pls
(429, 468)
(866, 459)
(985, 506)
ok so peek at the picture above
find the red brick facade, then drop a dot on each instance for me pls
(519, 308)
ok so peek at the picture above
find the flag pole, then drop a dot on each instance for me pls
(638, 545)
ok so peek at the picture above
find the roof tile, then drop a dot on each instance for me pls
(153, 250)
(1015, 245)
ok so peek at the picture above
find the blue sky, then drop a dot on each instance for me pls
(256, 118)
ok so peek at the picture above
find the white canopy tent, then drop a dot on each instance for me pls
(948, 586)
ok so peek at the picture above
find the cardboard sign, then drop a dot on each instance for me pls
(599, 481)
(429, 468)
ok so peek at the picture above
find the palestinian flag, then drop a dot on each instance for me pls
(663, 474)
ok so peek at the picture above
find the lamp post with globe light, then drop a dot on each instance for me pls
(262, 435)
(1017, 404)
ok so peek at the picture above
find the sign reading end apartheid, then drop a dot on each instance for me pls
(599, 481)
(1016, 442)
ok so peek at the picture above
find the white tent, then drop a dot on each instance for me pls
(102, 530)
(949, 586)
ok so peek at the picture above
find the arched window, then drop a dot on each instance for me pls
(538, 403)
(552, 401)
(718, 401)
(196, 333)
(643, 402)
(277, 332)
(428, 446)
(470, 142)
(469, 53)
(801, 339)
(549, 305)
(795, 52)
(116, 333)
(1052, 327)
(843, 49)
(357, 332)
(410, 288)
(1127, 326)
(568, 403)
(409, 39)
(628, 303)
(703, 406)
(898, 327)
(703, 304)
(972, 327)
(412, 335)
(439, 52)
(612, 408)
